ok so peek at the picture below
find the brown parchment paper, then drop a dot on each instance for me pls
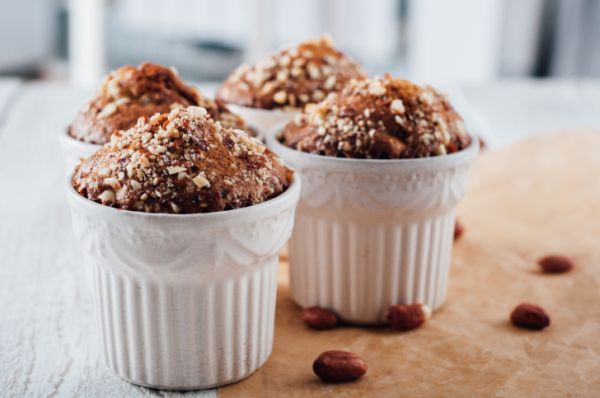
(536, 197)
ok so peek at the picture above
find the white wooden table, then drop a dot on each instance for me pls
(48, 344)
(8, 91)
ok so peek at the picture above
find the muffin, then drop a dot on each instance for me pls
(181, 220)
(181, 162)
(383, 164)
(127, 94)
(281, 84)
(379, 118)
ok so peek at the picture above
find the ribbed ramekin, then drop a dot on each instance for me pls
(75, 150)
(263, 120)
(185, 301)
(373, 233)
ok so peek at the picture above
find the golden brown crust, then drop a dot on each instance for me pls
(379, 118)
(181, 162)
(291, 78)
(129, 93)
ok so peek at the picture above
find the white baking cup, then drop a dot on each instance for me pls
(75, 150)
(263, 120)
(373, 233)
(185, 301)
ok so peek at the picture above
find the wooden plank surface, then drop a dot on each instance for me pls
(48, 342)
(8, 94)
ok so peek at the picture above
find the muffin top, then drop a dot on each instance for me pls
(181, 162)
(291, 78)
(379, 118)
(129, 93)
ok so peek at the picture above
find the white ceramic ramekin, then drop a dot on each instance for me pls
(263, 120)
(373, 233)
(75, 150)
(185, 301)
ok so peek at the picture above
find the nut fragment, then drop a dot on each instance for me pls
(135, 184)
(108, 110)
(555, 264)
(459, 229)
(111, 182)
(397, 106)
(337, 366)
(529, 316)
(319, 318)
(407, 317)
(175, 169)
(426, 97)
(107, 197)
(197, 111)
(376, 88)
(200, 181)
(330, 82)
(280, 97)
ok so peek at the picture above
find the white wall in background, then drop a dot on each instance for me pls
(368, 29)
(87, 42)
(226, 20)
(26, 32)
(454, 40)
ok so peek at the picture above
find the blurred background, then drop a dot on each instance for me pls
(511, 67)
(433, 40)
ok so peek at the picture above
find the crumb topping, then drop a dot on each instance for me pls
(181, 162)
(379, 118)
(291, 78)
(129, 93)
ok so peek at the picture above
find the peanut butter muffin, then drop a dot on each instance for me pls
(129, 93)
(181, 162)
(291, 78)
(379, 118)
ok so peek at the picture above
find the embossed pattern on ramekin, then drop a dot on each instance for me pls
(372, 233)
(185, 301)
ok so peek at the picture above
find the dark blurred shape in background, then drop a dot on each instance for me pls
(435, 40)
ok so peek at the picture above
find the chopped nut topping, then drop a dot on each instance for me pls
(318, 95)
(280, 97)
(175, 169)
(313, 66)
(397, 106)
(129, 93)
(204, 167)
(380, 117)
(330, 82)
(426, 97)
(135, 185)
(107, 196)
(283, 75)
(376, 88)
(112, 182)
(200, 181)
(108, 110)
(197, 111)
(313, 71)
